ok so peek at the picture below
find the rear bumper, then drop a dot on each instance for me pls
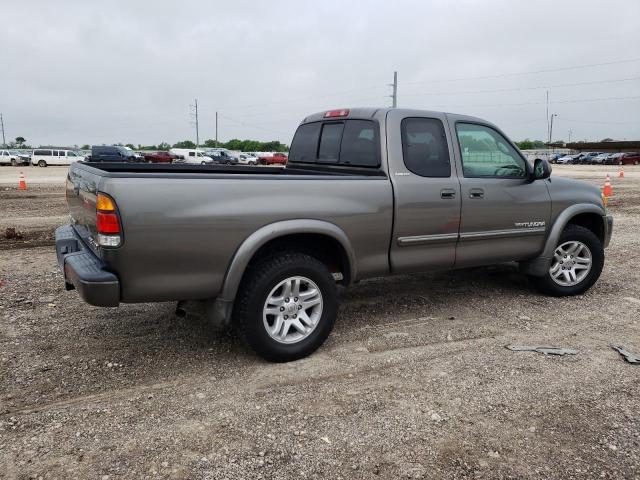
(84, 271)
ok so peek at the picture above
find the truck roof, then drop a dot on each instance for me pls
(371, 112)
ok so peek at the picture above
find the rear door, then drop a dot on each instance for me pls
(504, 215)
(426, 189)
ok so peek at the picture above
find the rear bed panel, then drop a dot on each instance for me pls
(181, 234)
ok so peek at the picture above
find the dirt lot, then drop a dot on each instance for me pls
(414, 382)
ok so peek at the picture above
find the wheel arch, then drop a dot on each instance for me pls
(586, 215)
(303, 235)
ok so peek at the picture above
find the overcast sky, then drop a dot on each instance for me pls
(78, 72)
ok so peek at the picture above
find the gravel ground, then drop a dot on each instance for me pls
(414, 382)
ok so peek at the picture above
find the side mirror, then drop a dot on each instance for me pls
(541, 169)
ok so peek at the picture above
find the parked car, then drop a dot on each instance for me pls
(14, 158)
(223, 157)
(566, 159)
(190, 155)
(629, 158)
(43, 157)
(159, 157)
(276, 158)
(586, 158)
(366, 193)
(553, 158)
(599, 159)
(247, 159)
(612, 158)
(113, 153)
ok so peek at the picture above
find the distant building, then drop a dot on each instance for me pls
(615, 146)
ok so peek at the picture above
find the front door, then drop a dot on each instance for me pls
(504, 215)
(427, 193)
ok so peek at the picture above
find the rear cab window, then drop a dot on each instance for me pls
(424, 147)
(350, 142)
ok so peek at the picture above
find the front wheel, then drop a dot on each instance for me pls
(286, 306)
(576, 265)
(42, 163)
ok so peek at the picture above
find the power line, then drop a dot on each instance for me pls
(517, 89)
(303, 99)
(599, 122)
(531, 72)
(240, 122)
(578, 100)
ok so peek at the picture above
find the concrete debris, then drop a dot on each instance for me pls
(543, 350)
(628, 356)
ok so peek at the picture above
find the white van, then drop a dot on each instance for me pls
(188, 155)
(50, 156)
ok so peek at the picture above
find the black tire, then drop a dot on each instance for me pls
(256, 286)
(14, 162)
(42, 163)
(548, 286)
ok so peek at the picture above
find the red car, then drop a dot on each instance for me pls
(275, 159)
(158, 157)
(629, 158)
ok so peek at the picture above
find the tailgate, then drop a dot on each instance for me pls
(81, 191)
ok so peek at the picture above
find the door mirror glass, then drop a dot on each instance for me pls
(541, 169)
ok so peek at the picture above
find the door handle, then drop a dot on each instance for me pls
(476, 193)
(447, 193)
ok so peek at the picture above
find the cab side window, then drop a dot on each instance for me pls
(486, 153)
(424, 147)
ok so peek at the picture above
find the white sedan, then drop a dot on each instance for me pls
(247, 159)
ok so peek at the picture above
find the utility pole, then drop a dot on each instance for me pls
(4, 141)
(548, 134)
(216, 128)
(570, 132)
(195, 115)
(551, 126)
(394, 85)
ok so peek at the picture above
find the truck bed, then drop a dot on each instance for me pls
(154, 169)
(182, 224)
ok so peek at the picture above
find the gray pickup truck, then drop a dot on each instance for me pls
(365, 193)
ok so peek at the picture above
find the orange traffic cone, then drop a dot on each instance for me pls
(22, 185)
(607, 191)
(621, 174)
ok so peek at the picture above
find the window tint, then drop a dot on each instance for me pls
(192, 154)
(360, 144)
(305, 143)
(55, 153)
(42, 152)
(486, 153)
(330, 138)
(424, 147)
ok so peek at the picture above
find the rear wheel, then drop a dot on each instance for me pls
(42, 163)
(286, 306)
(576, 265)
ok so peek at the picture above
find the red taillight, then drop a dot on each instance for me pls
(107, 222)
(336, 113)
